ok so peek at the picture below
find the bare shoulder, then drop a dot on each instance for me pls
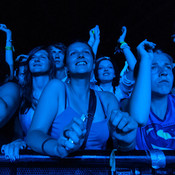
(55, 85)
(108, 99)
(9, 88)
(107, 96)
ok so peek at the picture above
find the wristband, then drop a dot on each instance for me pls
(122, 44)
(8, 48)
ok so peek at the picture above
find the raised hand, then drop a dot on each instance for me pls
(123, 35)
(8, 32)
(94, 34)
(145, 49)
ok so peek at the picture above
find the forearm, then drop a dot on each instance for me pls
(3, 111)
(141, 96)
(95, 46)
(129, 56)
(42, 143)
(9, 53)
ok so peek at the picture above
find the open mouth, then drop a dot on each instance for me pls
(106, 74)
(37, 65)
(81, 63)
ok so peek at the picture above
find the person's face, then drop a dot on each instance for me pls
(161, 75)
(21, 75)
(106, 71)
(79, 59)
(39, 62)
(58, 57)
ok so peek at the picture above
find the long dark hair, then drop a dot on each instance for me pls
(27, 90)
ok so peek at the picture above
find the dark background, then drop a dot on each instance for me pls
(39, 22)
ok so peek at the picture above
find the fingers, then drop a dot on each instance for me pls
(131, 125)
(74, 134)
(61, 148)
(11, 150)
(146, 44)
(121, 121)
(124, 30)
(3, 26)
(115, 118)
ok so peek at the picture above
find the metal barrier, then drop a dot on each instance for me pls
(92, 162)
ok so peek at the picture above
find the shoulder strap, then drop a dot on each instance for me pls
(91, 112)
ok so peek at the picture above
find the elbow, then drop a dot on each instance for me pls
(142, 121)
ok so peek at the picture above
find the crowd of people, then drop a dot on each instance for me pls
(59, 99)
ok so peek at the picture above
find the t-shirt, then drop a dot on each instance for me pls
(157, 133)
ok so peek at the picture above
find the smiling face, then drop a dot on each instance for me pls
(161, 75)
(106, 71)
(79, 59)
(39, 62)
(58, 57)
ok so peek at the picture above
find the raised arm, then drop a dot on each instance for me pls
(8, 48)
(129, 56)
(9, 101)
(141, 97)
(94, 39)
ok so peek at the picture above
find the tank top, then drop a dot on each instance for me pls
(98, 134)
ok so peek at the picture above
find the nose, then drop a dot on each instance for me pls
(57, 55)
(163, 71)
(36, 59)
(106, 69)
(81, 55)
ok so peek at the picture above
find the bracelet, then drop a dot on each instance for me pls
(10, 40)
(122, 44)
(8, 48)
(42, 146)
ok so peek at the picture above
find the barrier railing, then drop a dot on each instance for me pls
(92, 162)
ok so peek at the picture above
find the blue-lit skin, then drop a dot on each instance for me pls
(94, 39)
(58, 57)
(9, 101)
(106, 71)
(79, 59)
(161, 75)
(39, 66)
(140, 100)
(80, 63)
(39, 62)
